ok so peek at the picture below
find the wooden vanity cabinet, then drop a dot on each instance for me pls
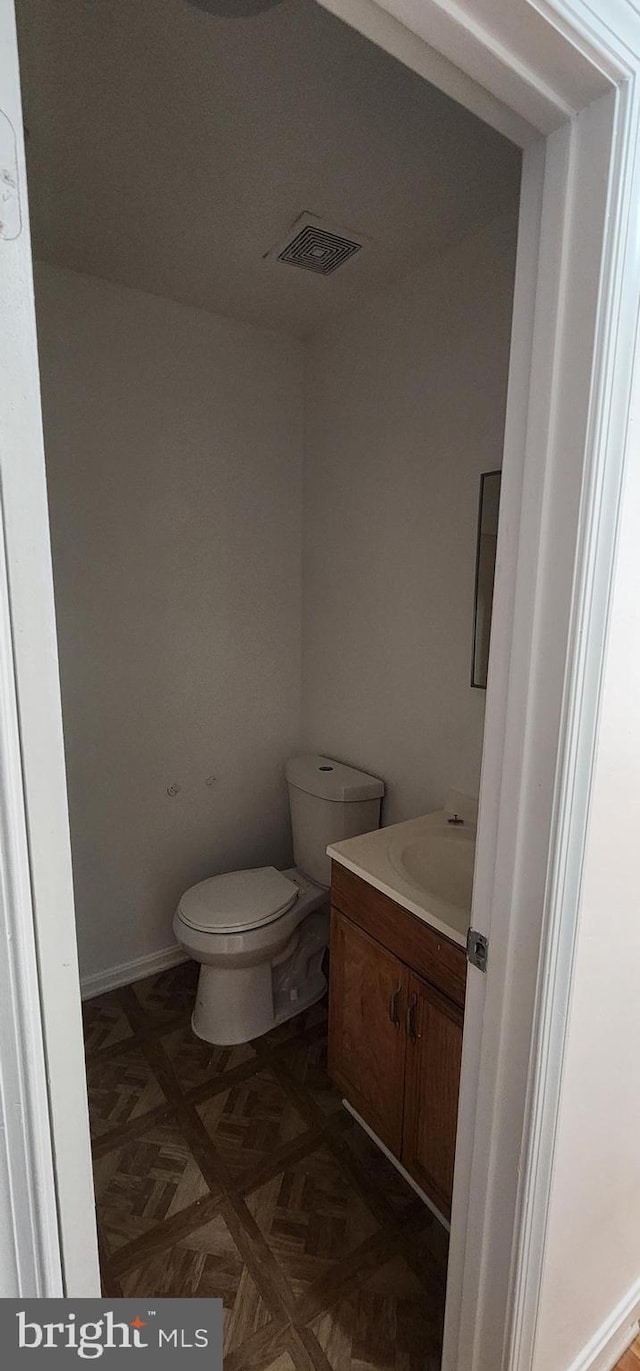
(367, 1045)
(432, 1083)
(395, 1028)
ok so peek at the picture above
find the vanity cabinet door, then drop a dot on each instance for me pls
(434, 1051)
(367, 1044)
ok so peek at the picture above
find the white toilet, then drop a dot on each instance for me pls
(260, 935)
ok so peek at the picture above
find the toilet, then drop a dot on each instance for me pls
(260, 935)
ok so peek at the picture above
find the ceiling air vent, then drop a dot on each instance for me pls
(315, 246)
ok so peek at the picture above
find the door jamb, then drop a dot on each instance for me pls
(42, 1072)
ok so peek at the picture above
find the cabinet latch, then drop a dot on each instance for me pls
(477, 949)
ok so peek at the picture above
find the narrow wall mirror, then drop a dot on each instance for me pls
(485, 572)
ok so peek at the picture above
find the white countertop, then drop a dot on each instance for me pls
(425, 865)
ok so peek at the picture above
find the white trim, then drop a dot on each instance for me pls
(532, 913)
(34, 1265)
(497, 844)
(606, 450)
(384, 29)
(37, 819)
(127, 972)
(398, 1166)
(499, 48)
(614, 1336)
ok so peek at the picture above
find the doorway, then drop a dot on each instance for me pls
(555, 166)
(230, 441)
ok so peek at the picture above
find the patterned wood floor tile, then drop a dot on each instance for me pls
(270, 1349)
(387, 1324)
(631, 1359)
(250, 1121)
(205, 1264)
(282, 1363)
(307, 1061)
(336, 1226)
(311, 1217)
(169, 994)
(104, 1022)
(195, 1061)
(121, 1087)
(398, 1195)
(145, 1181)
(294, 1027)
(427, 1245)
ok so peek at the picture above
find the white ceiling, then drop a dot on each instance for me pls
(169, 150)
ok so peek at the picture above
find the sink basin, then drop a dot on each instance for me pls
(424, 864)
(439, 863)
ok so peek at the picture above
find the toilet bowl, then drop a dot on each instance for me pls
(261, 935)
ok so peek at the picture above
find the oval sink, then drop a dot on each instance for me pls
(439, 863)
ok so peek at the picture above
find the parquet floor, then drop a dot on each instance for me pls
(236, 1172)
(631, 1359)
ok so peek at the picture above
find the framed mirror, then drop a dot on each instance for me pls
(485, 572)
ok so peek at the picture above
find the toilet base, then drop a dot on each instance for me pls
(314, 990)
(235, 1004)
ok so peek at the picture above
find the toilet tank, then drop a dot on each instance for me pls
(328, 802)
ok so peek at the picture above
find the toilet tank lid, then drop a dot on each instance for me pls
(330, 780)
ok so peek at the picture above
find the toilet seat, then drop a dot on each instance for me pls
(237, 901)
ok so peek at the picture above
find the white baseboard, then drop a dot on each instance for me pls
(126, 972)
(614, 1336)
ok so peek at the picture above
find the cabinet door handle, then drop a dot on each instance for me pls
(412, 1034)
(393, 1005)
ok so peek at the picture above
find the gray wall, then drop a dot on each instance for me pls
(174, 445)
(404, 408)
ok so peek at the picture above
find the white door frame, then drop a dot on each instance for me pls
(560, 78)
(50, 1247)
